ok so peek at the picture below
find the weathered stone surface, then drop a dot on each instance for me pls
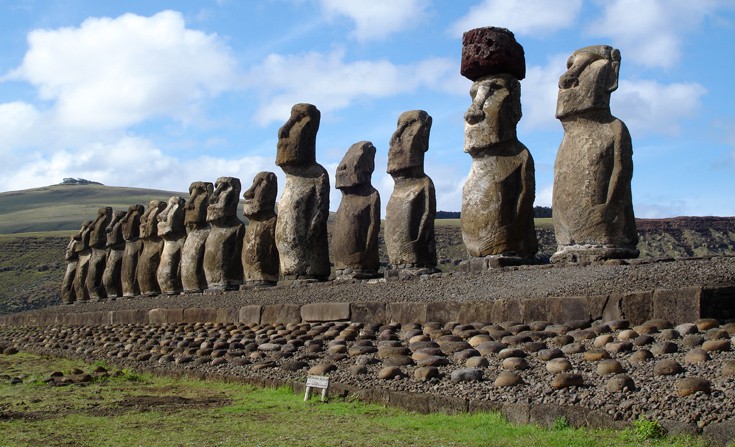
(199, 315)
(592, 201)
(197, 230)
(112, 275)
(390, 372)
(406, 312)
(162, 315)
(491, 50)
(260, 260)
(250, 314)
(667, 367)
(301, 228)
(357, 220)
(470, 311)
(638, 306)
(281, 313)
(690, 385)
(467, 375)
(173, 232)
(609, 366)
(68, 294)
(619, 383)
(133, 316)
(566, 309)
(368, 312)
(497, 198)
(325, 312)
(150, 257)
(98, 245)
(223, 247)
(558, 365)
(409, 216)
(507, 378)
(133, 248)
(83, 253)
(424, 373)
(566, 380)
(678, 306)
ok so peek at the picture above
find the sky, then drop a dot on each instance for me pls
(158, 94)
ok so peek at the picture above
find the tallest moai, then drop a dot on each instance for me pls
(592, 201)
(497, 199)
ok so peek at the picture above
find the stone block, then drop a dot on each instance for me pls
(442, 311)
(720, 433)
(133, 316)
(613, 309)
(484, 406)
(506, 309)
(418, 402)
(406, 312)
(533, 309)
(679, 305)
(250, 314)
(475, 311)
(325, 312)
(281, 313)
(516, 413)
(161, 315)
(718, 302)
(227, 315)
(368, 312)
(638, 307)
(567, 308)
(596, 306)
(200, 315)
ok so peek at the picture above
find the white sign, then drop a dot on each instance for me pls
(321, 382)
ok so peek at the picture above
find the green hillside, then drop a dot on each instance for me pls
(64, 207)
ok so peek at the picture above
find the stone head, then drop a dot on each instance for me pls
(70, 254)
(409, 142)
(261, 197)
(171, 219)
(131, 222)
(591, 76)
(82, 238)
(224, 200)
(98, 236)
(491, 50)
(196, 207)
(494, 113)
(357, 166)
(149, 219)
(297, 138)
(114, 228)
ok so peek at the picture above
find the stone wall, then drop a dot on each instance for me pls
(677, 306)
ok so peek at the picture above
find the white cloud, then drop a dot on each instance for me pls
(326, 80)
(523, 17)
(377, 19)
(111, 73)
(539, 91)
(648, 106)
(652, 32)
(544, 195)
(17, 122)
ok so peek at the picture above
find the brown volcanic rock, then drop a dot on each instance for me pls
(260, 259)
(491, 50)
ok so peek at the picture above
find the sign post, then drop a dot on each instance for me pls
(321, 382)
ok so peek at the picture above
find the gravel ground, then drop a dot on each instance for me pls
(360, 355)
(509, 282)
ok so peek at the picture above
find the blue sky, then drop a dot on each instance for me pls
(159, 94)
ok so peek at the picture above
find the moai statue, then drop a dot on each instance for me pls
(197, 230)
(68, 294)
(592, 201)
(223, 248)
(98, 245)
(409, 216)
(259, 253)
(357, 221)
(150, 257)
(171, 228)
(84, 253)
(301, 229)
(497, 198)
(112, 277)
(133, 249)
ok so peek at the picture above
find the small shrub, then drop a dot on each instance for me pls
(561, 423)
(644, 429)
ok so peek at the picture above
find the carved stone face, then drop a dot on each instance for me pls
(82, 238)
(224, 200)
(131, 222)
(409, 142)
(196, 207)
(171, 219)
(297, 138)
(114, 229)
(494, 113)
(261, 197)
(149, 219)
(357, 166)
(98, 236)
(69, 253)
(591, 76)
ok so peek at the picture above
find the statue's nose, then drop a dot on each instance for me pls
(474, 115)
(568, 80)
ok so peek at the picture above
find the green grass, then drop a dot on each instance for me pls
(133, 409)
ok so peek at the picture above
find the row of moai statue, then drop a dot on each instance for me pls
(189, 247)
(201, 245)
